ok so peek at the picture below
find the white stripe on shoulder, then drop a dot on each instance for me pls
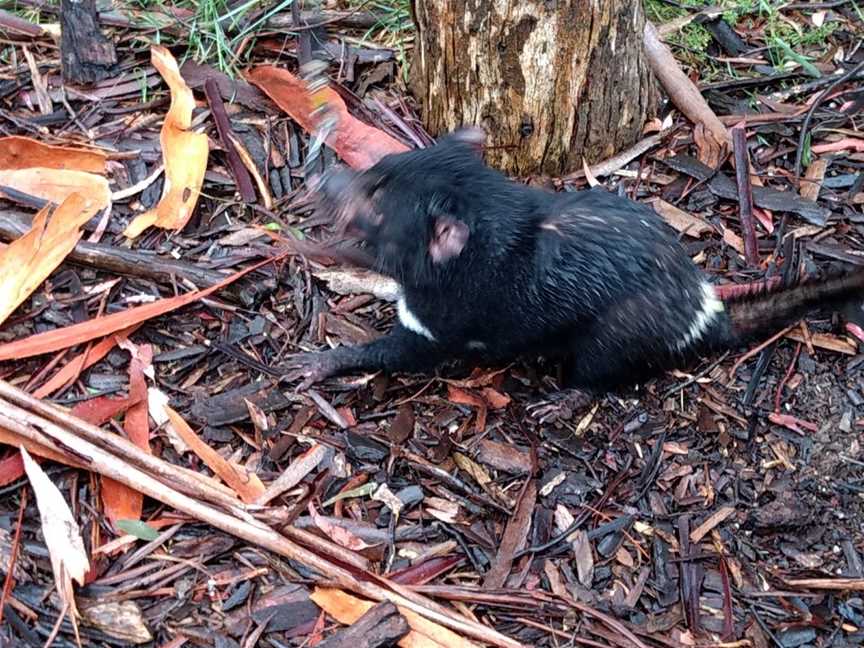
(711, 306)
(410, 321)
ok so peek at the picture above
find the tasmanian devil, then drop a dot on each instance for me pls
(492, 269)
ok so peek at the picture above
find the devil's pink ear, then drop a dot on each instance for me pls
(448, 239)
(474, 136)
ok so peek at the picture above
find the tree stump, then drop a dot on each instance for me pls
(551, 82)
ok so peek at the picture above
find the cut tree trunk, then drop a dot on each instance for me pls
(551, 82)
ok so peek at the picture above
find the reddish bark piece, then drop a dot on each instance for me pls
(358, 144)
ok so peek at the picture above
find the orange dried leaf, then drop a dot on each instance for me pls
(847, 143)
(462, 397)
(23, 153)
(346, 609)
(183, 151)
(55, 185)
(358, 144)
(793, 423)
(27, 262)
(245, 484)
(86, 331)
(136, 423)
(496, 399)
(120, 501)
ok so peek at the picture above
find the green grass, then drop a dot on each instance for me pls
(692, 39)
(216, 32)
(788, 42)
(395, 28)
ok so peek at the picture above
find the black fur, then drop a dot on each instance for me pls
(598, 280)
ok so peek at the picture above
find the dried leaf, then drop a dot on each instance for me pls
(85, 331)
(28, 261)
(583, 556)
(120, 501)
(18, 152)
(11, 469)
(623, 556)
(56, 185)
(257, 416)
(847, 143)
(358, 144)
(456, 395)
(709, 147)
(793, 423)
(580, 543)
(475, 470)
(389, 499)
(100, 410)
(137, 528)
(734, 241)
(496, 399)
(713, 520)
(184, 153)
(514, 538)
(504, 456)
(157, 402)
(244, 483)
(442, 509)
(62, 536)
(72, 369)
(346, 609)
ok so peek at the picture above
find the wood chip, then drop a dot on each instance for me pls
(294, 474)
(682, 221)
(713, 520)
(811, 183)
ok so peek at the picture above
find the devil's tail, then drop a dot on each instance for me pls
(765, 311)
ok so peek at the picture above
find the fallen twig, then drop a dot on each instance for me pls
(30, 425)
(745, 195)
(681, 90)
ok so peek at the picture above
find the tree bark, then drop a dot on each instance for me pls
(87, 55)
(552, 82)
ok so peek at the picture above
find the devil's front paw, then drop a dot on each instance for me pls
(311, 368)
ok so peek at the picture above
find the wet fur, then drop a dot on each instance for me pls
(595, 279)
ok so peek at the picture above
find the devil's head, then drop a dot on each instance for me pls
(409, 208)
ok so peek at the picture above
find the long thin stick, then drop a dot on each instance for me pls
(36, 428)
